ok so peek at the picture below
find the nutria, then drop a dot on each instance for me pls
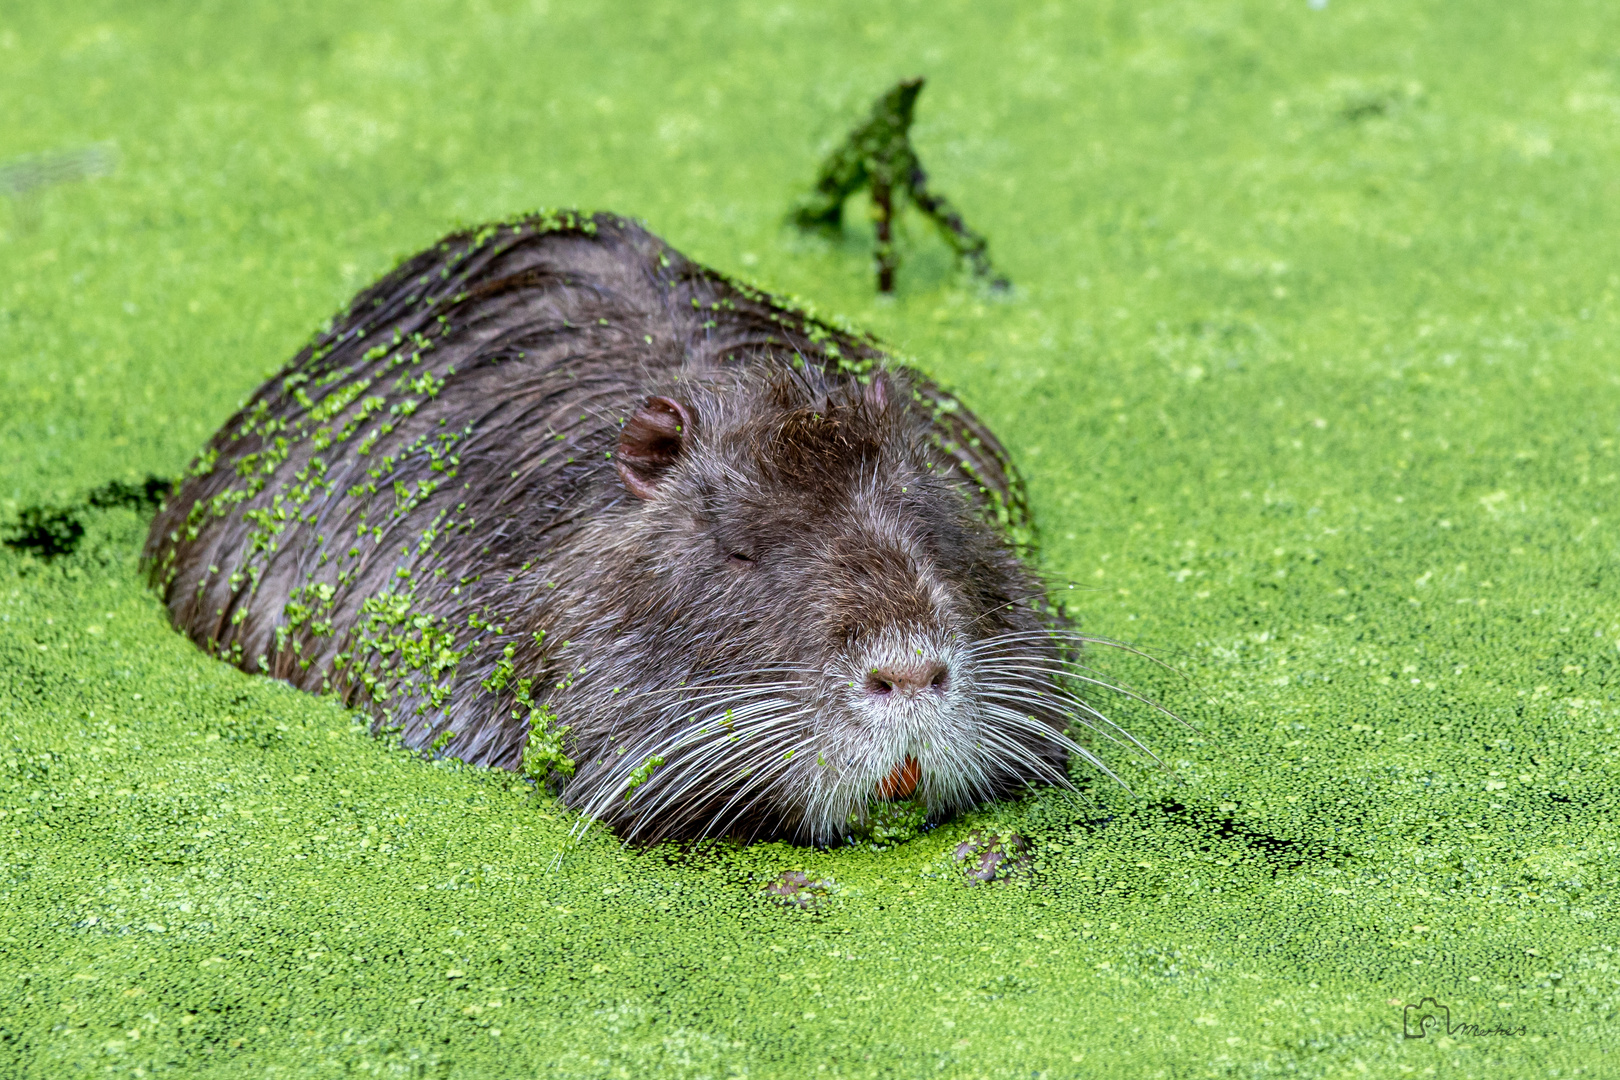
(551, 496)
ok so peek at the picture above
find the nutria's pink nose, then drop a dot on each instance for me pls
(911, 676)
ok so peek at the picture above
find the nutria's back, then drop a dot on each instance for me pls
(471, 505)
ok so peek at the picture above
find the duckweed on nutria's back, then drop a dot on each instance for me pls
(1308, 366)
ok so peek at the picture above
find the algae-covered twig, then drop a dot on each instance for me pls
(878, 156)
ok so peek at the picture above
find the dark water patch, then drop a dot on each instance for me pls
(1209, 831)
(140, 497)
(50, 532)
(46, 531)
(1571, 806)
(1215, 831)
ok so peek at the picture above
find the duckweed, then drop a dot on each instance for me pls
(1309, 368)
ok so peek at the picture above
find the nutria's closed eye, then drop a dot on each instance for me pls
(478, 507)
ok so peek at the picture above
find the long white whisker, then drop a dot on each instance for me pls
(1085, 639)
(1056, 669)
(1046, 769)
(783, 764)
(1071, 707)
(691, 771)
(722, 728)
(1014, 719)
(706, 687)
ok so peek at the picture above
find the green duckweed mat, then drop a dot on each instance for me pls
(1310, 365)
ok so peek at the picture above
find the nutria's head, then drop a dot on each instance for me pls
(796, 607)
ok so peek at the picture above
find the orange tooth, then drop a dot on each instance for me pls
(900, 783)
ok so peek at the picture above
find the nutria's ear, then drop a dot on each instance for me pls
(877, 392)
(650, 443)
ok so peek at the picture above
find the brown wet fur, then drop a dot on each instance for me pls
(593, 465)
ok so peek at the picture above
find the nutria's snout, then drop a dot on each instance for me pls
(908, 678)
(909, 722)
(905, 672)
(911, 687)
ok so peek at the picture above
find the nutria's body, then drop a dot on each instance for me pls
(551, 489)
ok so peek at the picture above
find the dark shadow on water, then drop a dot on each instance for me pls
(53, 531)
(1212, 831)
